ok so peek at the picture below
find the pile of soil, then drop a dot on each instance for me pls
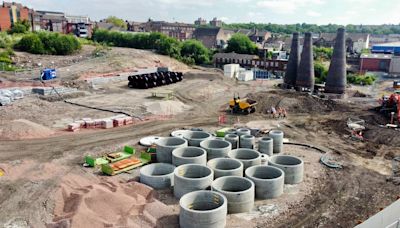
(166, 107)
(293, 102)
(23, 129)
(81, 202)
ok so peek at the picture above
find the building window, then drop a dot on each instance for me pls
(11, 16)
(18, 14)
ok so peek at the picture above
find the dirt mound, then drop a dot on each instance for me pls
(23, 129)
(292, 102)
(82, 203)
(204, 74)
(166, 107)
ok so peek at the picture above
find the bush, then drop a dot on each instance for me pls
(323, 53)
(20, 27)
(321, 72)
(196, 50)
(358, 79)
(49, 43)
(32, 44)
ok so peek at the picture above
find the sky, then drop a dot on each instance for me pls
(232, 11)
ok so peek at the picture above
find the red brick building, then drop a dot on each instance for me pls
(13, 12)
(375, 62)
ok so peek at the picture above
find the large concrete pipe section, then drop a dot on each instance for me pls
(248, 157)
(293, 63)
(203, 209)
(265, 146)
(247, 141)
(165, 146)
(230, 131)
(195, 137)
(243, 131)
(336, 80)
(226, 167)
(157, 175)
(189, 155)
(216, 148)
(269, 181)
(292, 166)
(305, 75)
(277, 137)
(238, 190)
(233, 139)
(191, 177)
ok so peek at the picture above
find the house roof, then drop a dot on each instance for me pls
(258, 33)
(392, 44)
(233, 55)
(199, 32)
(375, 56)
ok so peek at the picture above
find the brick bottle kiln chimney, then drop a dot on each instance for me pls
(294, 61)
(305, 75)
(336, 79)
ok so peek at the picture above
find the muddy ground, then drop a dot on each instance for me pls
(36, 169)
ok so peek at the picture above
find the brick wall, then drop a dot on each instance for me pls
(374, 65)
(5, 20)
(24, 14)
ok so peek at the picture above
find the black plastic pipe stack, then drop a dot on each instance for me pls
(336, 79)
(146, 81)
(305, 76)
(293, 63)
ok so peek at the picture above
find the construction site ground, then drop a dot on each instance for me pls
(45, 183)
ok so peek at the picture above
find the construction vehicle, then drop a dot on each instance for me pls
(390, 106)
(242, 106)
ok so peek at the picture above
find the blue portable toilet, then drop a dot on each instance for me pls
(48, 74)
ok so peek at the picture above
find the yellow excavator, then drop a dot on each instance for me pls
(242, 106)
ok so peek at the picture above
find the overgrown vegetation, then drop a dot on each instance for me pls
(20, 27)
(358, 79)
(193, 49)
(116, 21)
(49, 43)
(330, 28)
(6, 63)
(241, 44)
(321, 72)
(189, 52)
(323, 53)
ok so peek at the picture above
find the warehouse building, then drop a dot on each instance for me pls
(387, 48)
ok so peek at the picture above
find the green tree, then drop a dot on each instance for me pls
(116, 21)
(241, 44)
(196, 50)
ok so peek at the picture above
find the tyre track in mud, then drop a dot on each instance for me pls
(55, 147)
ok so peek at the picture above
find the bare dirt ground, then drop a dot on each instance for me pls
(45, 183)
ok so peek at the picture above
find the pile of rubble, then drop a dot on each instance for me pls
(8, 96)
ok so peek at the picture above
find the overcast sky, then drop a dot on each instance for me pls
(231, 11)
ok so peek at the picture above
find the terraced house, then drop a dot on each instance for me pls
(11, 12)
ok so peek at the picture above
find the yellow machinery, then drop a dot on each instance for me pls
(242, 106)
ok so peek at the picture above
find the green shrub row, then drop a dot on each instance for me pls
(361, 79)
(48, 43)
(189, 51)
